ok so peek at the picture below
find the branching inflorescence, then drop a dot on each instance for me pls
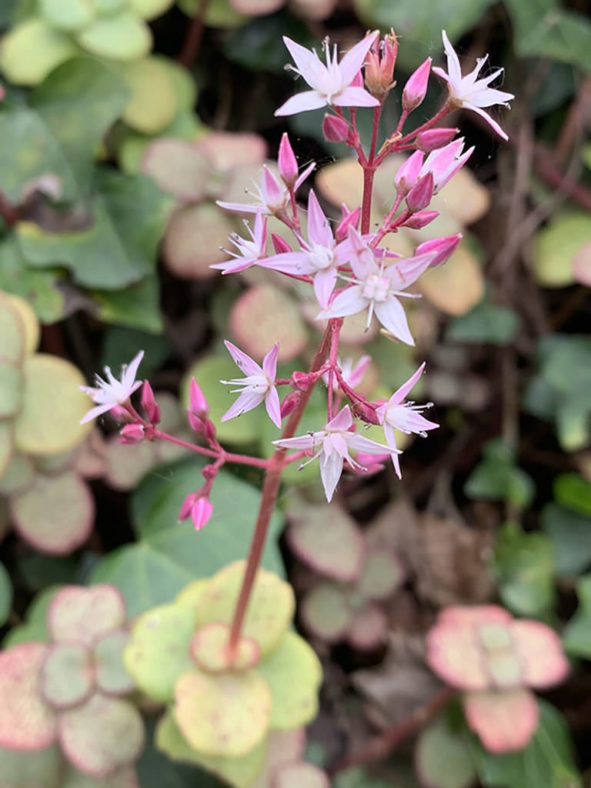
(348, 269)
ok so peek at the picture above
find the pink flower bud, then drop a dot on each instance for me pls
(365, 411)
(209, 433)
(421, 193)
(210, 472)
(433, 139)
(335, 129)
(197, 400)
(301, 380)
(289, 403)
(408, 174)
(132, 433)
(288, 165)
(187, 505)
(379, 66)
(280, 244)
(357, 81)
(416, 87)
(420, 219)
(149, 405)
(195, 423)
(121, 414)
(443, 247)
(201, 512)
(350, 219)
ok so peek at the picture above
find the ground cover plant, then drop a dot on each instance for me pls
(295, 484)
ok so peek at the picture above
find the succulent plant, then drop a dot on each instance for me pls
(360, 576)
(221, 707)
(69, 691)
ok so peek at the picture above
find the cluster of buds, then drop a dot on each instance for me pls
(349, 269)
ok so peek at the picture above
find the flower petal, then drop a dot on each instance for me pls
(392, 316)
(355, 57)
(324, 284)
(248, 400)
(270, 362)
(400, 393)
(94, 412)
(130, 372)
(347, 302)
(318, 227)
(301, 102)
(342, 421)
(244, 362)
(354, 97)
(491, 122)
(273, 406)
(331, 468)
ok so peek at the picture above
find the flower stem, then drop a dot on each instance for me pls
(270, 490)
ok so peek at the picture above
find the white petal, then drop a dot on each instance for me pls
(245, 402)
(347, 302)
(355, 97)
(324, 283)
(273, 407)
(492, 123)
(302, 102)
(392, 316)
(355, 57)
(244, 362)
(331, 468)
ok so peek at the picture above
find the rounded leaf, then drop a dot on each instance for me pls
(32, 49)
(121, 37)
(264, 315)
(540, 653)
(6, 445)
(557, 246)
(26, 723)
(223, 715)
(29, 322)
(149, 9)
(12, 332)
(194, 238)
(282, 747)
(209, 649)
(191, 594)
(456, 287)
(505, 721)
(53, 405)
(67, 676)
(11, 389)
(158, 651)
(328, 540)
(101, 736)
(54, 514)
(123, 778)
(382, 574)
(67, 15)
(368, 628)
(443, 758)
(82, 614)
(294, 674)
(153, 102)
(270, 608)
(112, 677)
(127, 463)
(40, 768)
(179, 168)
(326, 613)
(228, 150)
(298, 775)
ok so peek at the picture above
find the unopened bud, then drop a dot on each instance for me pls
(301, 380)
(195, 422)
(421, 193)
(408, 173)
(289, 403)
(132, 433)
(366, 412)
(288, 165)
(443, 248)
(149, 405)
(415, 89)
(350, 219)
(379, 66)
(334, 128)
(433, 139)
(420, 219)
(197, 400)
(280, 244)
(201, 513)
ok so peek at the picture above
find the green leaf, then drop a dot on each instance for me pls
(557, 245)
(38, 287)
(136, 306)
(170, 554)
(22, 769)
(34, 627)
(220, 13)
(420, 23)
(542, 28)
(547, 760)
(118, 36)
(120, 344)
(258, 46)
(574, 492)
(524, 563)
(5, 595)
(443, 756)
(119, 248)
(497, 478)
(570, 533)
(495, 325)
(32, 49)
(577, 633)
(156, 770)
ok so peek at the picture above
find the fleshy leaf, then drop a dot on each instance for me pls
(11, 389)
(67, 14)
(153, 101)
(32, 49)
(29, 322)
(505, 720)
(238, 772)
(158, 652)
(148, 9)
(101, 736)
(179, 168)
(456, 287)
(270, 609)
(209, 649)
(53, 405)
(224, 715)
(443, 758)
(82, 614)
(282, 747)
(6, 444)
(120, 37)
(123, 778)
(194, 238)
(22, 769)
(296, 775)
(263, 312)
(293, 674)
(12, 332)
(191, 594)
(327, 539)
(55, 514)
(382, 575)
(111, 676)
(369, 627)
(326, 612)
(26, 723)
(67, 676)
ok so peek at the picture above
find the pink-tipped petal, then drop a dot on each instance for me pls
(400, 393)
(342, 421)
(324, 284)
(131, 369)
(504, 720)
(318, 228)
(347, 302)
(287, 162)
(201, 513)
(244, 362)
(94, 412)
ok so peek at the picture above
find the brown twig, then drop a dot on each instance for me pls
(382, 745)
(194, 36)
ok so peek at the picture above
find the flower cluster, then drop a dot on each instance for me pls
(349, 268)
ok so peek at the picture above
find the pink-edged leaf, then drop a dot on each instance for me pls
(82, 614)
(102, 736)
(67, 676)
(123, 778)
(382, 574)
(178, 167)
(326, 613)
(540, 653)
(368, 629)
(505, 721)
(328, 540)
(55, 514)
(298, 775)
(26, 723)
(454, 653)
(469, 616)
(112, 677)
(282, 747)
